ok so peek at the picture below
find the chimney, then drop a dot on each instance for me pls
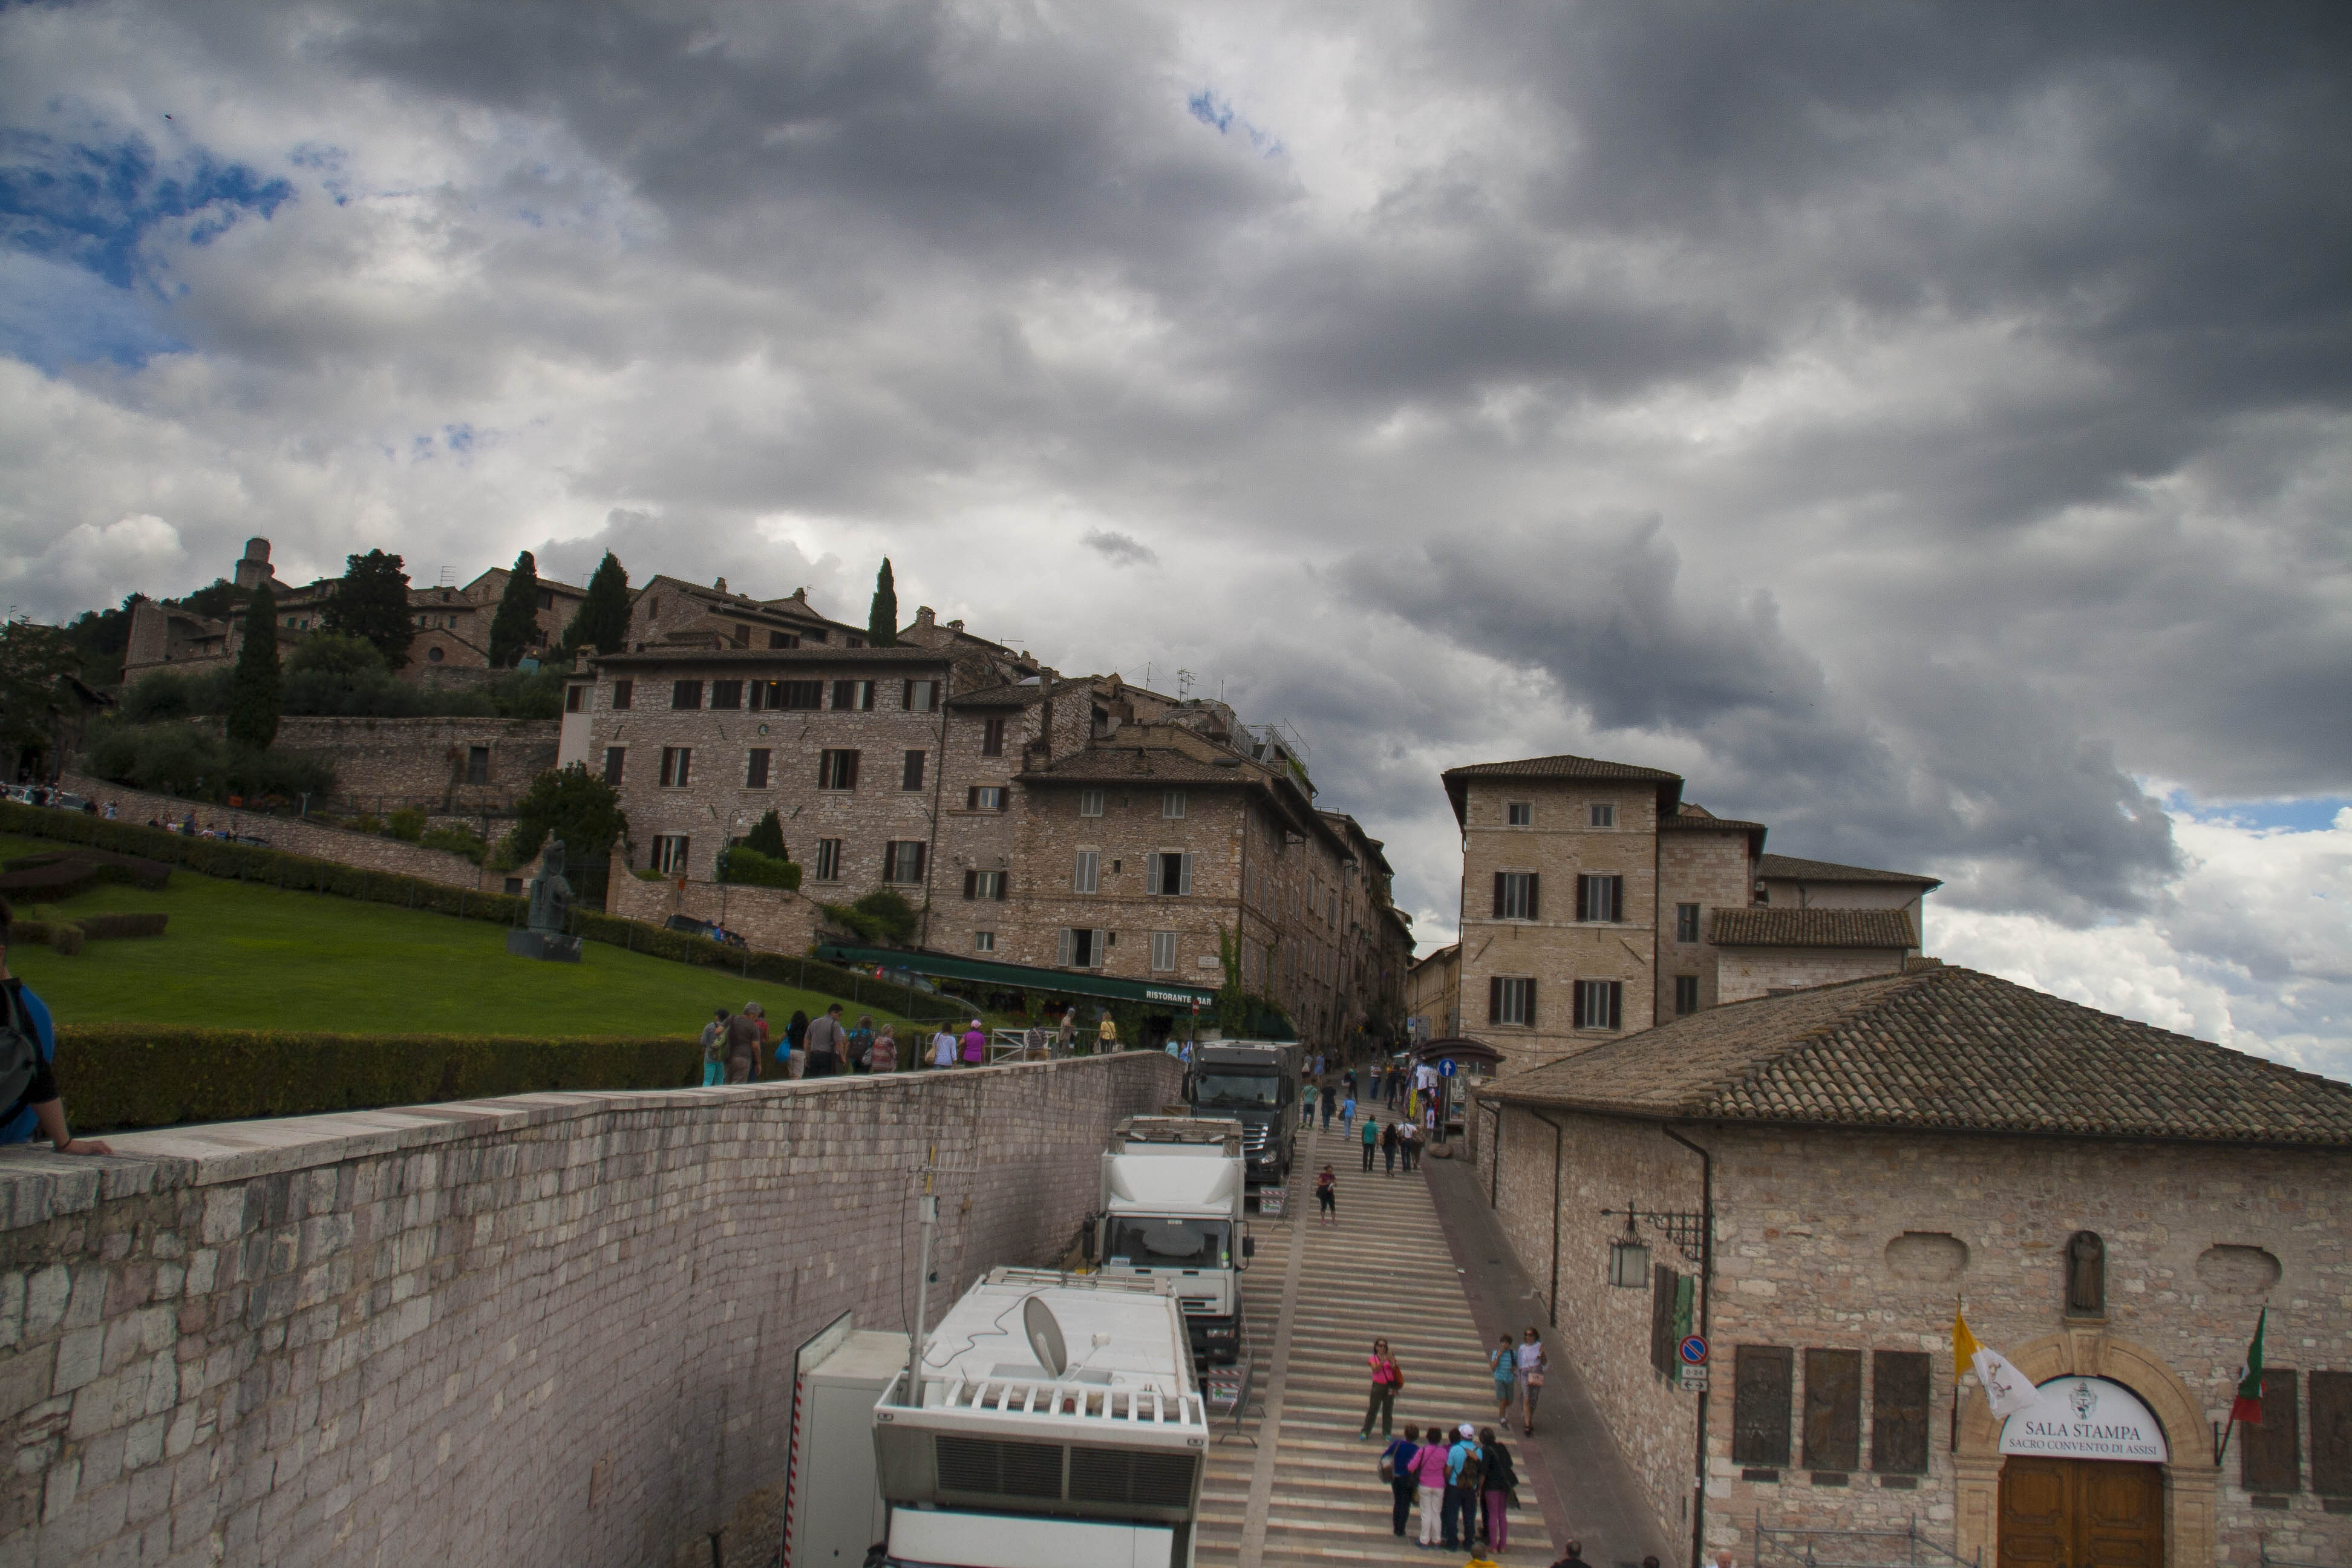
(926, 618)
(720, 585)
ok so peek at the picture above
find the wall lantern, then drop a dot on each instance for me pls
(1629, 1260)
(1629, 1255)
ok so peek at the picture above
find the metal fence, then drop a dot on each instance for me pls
(1904, 1548)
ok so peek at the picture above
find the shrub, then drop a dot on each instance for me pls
(890, 914)
(767, 837)
(748, 867)
(407, 824)
(67, 938)
(105, 928)
(456, 841)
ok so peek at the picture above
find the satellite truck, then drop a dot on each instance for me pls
(1255, 1082)
(1050, 1421)
(1172, 1194)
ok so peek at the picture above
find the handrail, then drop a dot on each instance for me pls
(1064, 1400)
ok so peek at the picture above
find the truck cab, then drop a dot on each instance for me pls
(1172, 1195)
(1255, 1082)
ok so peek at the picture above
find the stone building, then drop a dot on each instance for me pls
(2116, 1206)
(1432, 993)
(1597, 901)
(1040, 823)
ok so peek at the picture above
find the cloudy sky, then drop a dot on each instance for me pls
(1929, 429)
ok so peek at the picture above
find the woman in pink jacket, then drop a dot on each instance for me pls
(1429, 1473)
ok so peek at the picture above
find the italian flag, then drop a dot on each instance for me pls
(2247, 1407)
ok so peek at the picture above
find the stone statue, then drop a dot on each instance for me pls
(551, 911)
(2086, 1276)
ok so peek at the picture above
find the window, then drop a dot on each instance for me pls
(669, 854)
(1163, 951)
(1834, 1410)
(1171, 803)
(1514, 895)
(1761, 1380)
(852, 639)
(828, 859)
(653, 609)
(1686, 995)
(573, 697)
(2270, 1456)
(1090, 803)
(1685, 923)
(677, 765)
(1898, 1412)
(1167, 872)
(984, 798)
(984, 885)
(922, 697)
(837, 770)
(902, 861)
(801, 694)
(2331, 1434)
(852, 697)
(478, 764)
(435, 655)
(1600, 1003)
(1522, 813)
(983, 942)
(686, 694)
(1601, 898)
(755, 768)
(624, 693)
(615, 757)
(1510, 999)
(726, 695)
(1087, 877)
(547, 598)
(911, 776)
(743, 638)
(992, 738)
(1082, 949)
(1604, 816)
(782, 639)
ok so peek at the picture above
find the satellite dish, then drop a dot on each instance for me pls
(1045, 1336)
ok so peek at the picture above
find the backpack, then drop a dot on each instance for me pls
(1472, 1470)
(20, 1048)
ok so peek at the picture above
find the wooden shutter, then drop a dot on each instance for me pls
(1761, 1379)
(2331, 1432)
(850, 759)
(1184, 872)
(1494, 998)
(1498, 895)
(972, 884)
(1151, 872)
(1899, 1391)
(1534, 878)
(1665, 1285)
(1001, 878)
(2269, 1457)
(1067, 956)
(1529, 997)
(1616, 995)
(1583, 897)
(1834, 1410)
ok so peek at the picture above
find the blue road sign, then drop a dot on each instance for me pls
(1693, 1351)
(1446, 1067)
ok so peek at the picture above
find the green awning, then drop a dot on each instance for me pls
(1027, 977)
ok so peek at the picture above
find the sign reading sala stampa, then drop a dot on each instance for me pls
(2085, 1418)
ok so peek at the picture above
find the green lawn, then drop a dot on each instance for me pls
(243, 956)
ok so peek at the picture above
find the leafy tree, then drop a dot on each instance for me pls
(101, 636)
(34, 661)
(216, 601)
(371, 601)
(514, 630)
(882, 618)
(891, 914)
(767, 837)
(602, 622)
(256, 690)
(575, 806)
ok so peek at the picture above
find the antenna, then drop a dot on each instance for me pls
(1045, 1336)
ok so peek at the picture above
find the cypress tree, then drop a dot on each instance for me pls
(514, 630)
(882, 619)
(255, 690)
(602, 621)
(767, 837)
(371, 601)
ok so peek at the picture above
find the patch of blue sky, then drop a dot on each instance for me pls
(1218, 114)
(458, 437)
(53, 314)
(2308, 814)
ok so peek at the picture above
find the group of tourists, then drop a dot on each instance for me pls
(1464, 1480)
(735, 1044)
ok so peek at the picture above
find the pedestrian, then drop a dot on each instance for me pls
(826, 1043)
(1330, 1103)
(1575, 1558)
(1428, 1483)
(1389, 1142)
(1462, 1487)
(943, 1047)
(28, 1054)
(1387, 1378)
(714, 1050)
(975, 1045)
(1503, 1366)
(1107, 1035)
(1326, 1198)
(1371, 1139)
(861, 1045)
(1723, 1559)
(1065, 1037)
(1396, 1468)
(742, 1047)
(1348, 1115)
(884, 1057)
(1500, 1479)
(1532, 1362)
(1306, 1098)
(1408, 1144)
(795, 1056)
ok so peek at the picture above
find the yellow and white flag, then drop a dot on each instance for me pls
(2007, 1390)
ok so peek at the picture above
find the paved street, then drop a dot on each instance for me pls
(1309, 1492)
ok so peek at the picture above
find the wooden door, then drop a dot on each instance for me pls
(2080, 1514)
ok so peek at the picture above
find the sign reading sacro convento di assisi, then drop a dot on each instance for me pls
(2085, 1418)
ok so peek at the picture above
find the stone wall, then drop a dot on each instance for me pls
(340, 845)
(390, 762)
(771, 920)
(552, 1328)
(1750, 972)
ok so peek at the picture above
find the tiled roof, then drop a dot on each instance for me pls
(1021, 694)
(1703, 823)
(654, 658)
(1131, 764)
(1563, 768)
(1811, 928)
(1944, 1048)
(1787, 867)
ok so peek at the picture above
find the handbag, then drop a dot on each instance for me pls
(1388, 1469)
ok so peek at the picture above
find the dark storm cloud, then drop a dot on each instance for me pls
(1119, 549)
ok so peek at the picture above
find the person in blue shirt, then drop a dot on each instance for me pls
(1399, 1457)
(37, 1107)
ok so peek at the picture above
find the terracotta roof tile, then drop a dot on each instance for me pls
(1787, 867)
(1563, 767)
(1811, 928)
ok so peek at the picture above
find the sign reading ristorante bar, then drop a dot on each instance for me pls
(2085, 1418)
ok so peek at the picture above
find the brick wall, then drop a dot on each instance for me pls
(552, 1328)
(1709, 868)
(771, 920)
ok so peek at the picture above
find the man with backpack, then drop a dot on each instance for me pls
(1464, 1479)
(28, 1053)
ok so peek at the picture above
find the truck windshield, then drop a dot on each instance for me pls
(1155, 1243)
(1239, 1089)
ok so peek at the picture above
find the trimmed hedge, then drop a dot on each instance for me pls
(64, 874)
(119, 1076)
(102, 927)
(67, 936)
(748, 867)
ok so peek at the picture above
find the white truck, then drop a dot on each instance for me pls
(1051, 1422)
(1173, 1191)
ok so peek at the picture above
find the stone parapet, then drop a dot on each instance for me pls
(771, 920)
(552, 1328)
